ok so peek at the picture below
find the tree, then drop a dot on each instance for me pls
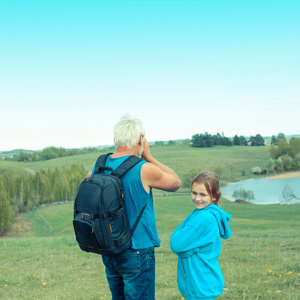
(288, 195)
(159, 143)
(226, 141)
(243, 141)
(187, 178)
(217, 169)
(243, 194)
(279, 166)
(239, 141)
(257, 140)
(186, 141)
(273, 140)
(288, 163)
(208, 139)
(297, 160)
(274, 152)
(198, 141)
(49, 153)
(217, 139)
(286, 153)
(294, 147)
(230, 169)
(5, 210)
(171, 143)
(202, 140)
(283, 147)
(280, 136)
(271, 165)
(236, 141)
(256, 170)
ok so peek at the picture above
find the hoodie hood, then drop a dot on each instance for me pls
(222, 218)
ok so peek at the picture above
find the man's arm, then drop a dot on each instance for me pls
(157, 175)
(89, 174)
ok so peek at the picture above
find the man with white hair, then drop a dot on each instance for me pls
(131, 275)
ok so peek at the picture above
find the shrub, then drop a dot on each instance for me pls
(188, 178)
(256, 170)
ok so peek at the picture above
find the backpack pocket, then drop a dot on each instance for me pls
(119, 227)
(85, 231)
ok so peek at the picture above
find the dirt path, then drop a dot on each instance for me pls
(285, 175)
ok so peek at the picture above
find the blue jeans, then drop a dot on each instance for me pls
(131, 275)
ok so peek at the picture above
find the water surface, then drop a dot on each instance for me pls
(266, 191)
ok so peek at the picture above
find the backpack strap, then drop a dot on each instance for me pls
(101, 162)
(126, 165)
(137, 220)
(129, 163)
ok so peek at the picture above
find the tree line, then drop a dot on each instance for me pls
(285, 155)
(208, 140)
(23, 192)
(48, 153)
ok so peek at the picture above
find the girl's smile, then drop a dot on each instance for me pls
(200, 196)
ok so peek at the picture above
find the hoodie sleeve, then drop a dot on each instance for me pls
(186, 240)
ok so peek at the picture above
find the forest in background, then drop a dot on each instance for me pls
(23, 191)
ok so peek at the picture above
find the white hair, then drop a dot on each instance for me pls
(127, 132)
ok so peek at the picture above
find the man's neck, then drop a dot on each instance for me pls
(122, 151)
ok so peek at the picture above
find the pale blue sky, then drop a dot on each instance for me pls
(70, 69)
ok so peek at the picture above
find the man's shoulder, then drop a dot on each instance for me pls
(149, 169)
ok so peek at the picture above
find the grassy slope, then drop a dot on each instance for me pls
(259, 261)
(41, 260)
(181, 158)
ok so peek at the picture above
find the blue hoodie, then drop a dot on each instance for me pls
(197, 242)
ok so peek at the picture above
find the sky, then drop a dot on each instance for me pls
(70, 69)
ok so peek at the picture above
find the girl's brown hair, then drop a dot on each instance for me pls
(211, 183)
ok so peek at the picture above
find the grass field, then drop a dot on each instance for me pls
(181, 158)
(41, 260)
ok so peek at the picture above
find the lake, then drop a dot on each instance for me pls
(266, 191)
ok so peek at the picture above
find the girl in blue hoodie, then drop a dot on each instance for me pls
(197, 241)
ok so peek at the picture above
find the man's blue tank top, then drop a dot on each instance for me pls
(136, 197)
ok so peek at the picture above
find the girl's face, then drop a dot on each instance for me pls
(200, 196)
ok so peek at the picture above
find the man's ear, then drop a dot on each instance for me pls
(141, 140)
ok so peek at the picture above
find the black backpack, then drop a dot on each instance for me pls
(100, 218)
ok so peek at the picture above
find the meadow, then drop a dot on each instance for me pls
(236, 161)
(40, 258)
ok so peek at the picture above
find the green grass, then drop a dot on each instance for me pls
(86, 159)
(40, 258)
(181, 158)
